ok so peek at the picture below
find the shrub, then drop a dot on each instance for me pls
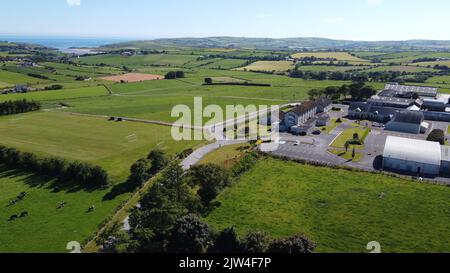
(437, 135)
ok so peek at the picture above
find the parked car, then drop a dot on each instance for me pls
(316, 132)
(297, 143)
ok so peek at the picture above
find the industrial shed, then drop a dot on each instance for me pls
(412, 156)
(411, 122)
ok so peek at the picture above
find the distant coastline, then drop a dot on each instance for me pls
(74, 45)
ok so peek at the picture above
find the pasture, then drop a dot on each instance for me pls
(58, 95)
(133, 77)
(340, 210)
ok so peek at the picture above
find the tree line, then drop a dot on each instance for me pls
(169, 217)
(358, 76)
(18, 106)
(172, 75)
(355, 91)
(84, 174)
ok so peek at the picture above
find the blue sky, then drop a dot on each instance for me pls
(339, 19)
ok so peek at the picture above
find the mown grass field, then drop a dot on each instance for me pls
(340, 210)
(112, 145)
(340, 56)
(278, 66)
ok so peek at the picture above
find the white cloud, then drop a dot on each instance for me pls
(374, 2)
(332, 20)
(73, 2)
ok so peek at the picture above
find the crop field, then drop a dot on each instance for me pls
(432, 64)
(340, 56)
(133, 77)
(269, 66)
(340, 210)
(330, 68)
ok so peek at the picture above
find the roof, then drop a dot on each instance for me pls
(412, 89)
(304, 107)
(368, 108)
(324, 101)
(413, 150)
(413, 117)
(391, 100)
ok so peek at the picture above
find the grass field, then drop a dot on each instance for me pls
(226, 156)
(340, 210)
(58, 95)
(278, 66)
(330, 68)
(12, 78)
(340, 56)
(47, 229)
(138, 60)
(347, 155)
(402, 68)
(113, 145)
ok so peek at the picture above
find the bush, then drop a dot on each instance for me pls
(437, 135)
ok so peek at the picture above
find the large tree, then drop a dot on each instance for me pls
(295, 244)
(189, 235)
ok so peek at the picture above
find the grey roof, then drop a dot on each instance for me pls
(414, 117)
(412, 89)
(304, 107)
(324, 101)
(391, 100)
(369, 108)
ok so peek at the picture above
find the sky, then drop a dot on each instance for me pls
(371, 20)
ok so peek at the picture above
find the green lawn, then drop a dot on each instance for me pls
(347, 135)
(12, 78)
(347, 155)
(340, 210)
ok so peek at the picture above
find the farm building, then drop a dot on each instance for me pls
(393, 102)
(411, 122)
(367, 111)
(397, 90)
(412, 156)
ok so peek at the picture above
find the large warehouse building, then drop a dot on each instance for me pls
(412, 156)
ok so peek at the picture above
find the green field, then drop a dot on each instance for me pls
(59, 95)
(412, 68)
(226, 156)
(340, 210)
(138, 60)
(11, 78)
(330, 68)
(112, 145)
(277, 66)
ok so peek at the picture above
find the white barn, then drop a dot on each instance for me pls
(412, 156)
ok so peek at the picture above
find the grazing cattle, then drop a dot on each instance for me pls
(13, 217)
(23, 214)
(62, 205)
(91, 209)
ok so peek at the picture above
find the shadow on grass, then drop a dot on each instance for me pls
(118, 190)
(40, 181)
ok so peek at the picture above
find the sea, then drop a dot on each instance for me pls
(63, 44)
